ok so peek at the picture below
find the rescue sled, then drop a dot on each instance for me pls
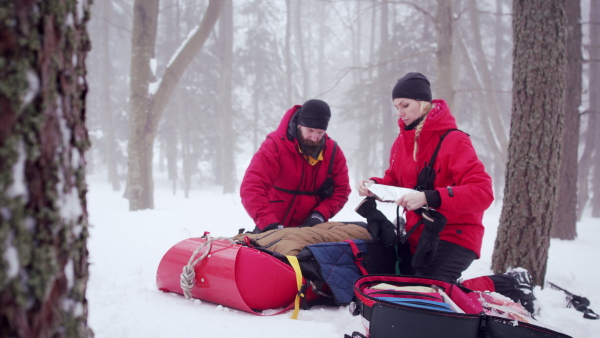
(228, 274)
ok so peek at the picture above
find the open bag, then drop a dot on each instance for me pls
(408, 306)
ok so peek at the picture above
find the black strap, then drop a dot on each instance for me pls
(330, 169)
(437, 149)
(409, 232)
(295, 192)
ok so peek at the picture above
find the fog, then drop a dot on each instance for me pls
(262, 57)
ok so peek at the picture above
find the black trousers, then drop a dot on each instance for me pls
(448, 264)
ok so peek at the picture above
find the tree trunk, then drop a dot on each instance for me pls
(287, 52)
(565, 220)
(44, 220)
(227, 135)
(304, 73)
(139, 147)
(495, 138)
(444, 30)
(535, 137)
(148, 104)
(583, 176)
(594, 91)
(387, 117)
(107, 114)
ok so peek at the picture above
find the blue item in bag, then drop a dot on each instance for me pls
(421, 303)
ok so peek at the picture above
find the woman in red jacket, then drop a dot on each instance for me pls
(461, 190)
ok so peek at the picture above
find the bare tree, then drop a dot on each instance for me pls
(107, 113)
(565, 220)
(149, 96)
(492, 122)
(43, 218)
(534, 150)
(227, 143)
(444, 20)
(594, 121)
(590, 150)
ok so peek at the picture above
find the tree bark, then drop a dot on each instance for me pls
(535, 137)
(147, 106)
(565, 220)
(43, 138)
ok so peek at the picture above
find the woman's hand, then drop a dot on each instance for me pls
(362, 188)
(412, 201)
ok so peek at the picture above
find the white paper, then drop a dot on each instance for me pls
(388, 193)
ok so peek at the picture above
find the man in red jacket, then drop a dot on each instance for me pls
(299, 176)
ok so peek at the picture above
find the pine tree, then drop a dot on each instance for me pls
(43, 213)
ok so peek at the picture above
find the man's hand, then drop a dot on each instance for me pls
(272, 226)
(362, 188)
(314, 219)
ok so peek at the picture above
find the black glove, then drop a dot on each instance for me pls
(525, 287)
(314, 219)
(271, 226)
(434, 222)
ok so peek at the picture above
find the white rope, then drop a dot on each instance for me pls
(188, 275)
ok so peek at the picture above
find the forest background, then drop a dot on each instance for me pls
(280, 53)
(190, 89)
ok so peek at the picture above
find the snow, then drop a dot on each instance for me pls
(18, 188)
(11, 256)
(183, 44)
(33, 88)
(153, 66)
(153, 86)
(126, 247)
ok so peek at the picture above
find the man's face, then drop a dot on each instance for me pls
(311, 136)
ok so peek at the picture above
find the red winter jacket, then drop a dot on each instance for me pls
(279, 163)
(456, 166)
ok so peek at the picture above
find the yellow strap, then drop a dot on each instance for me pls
(294, 262)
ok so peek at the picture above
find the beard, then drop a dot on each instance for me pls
(310, 148)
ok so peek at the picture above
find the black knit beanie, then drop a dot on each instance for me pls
(412, 86)
(314, 114)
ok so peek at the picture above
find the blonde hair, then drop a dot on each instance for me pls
(426, 107)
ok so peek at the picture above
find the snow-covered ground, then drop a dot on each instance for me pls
(125, 249)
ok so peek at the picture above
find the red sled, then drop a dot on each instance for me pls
(231, 275)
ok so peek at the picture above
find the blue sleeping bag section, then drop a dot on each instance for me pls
(337, 267)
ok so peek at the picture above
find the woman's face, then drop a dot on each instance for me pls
(408, 110)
